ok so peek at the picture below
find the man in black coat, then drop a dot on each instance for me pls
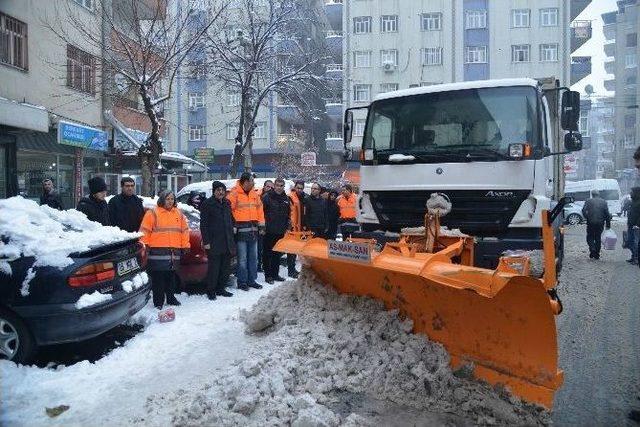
(50, 197)
(125, 209)
(315, 212)
(277, 208)
(216, 228)
(94, 206)
(333, 215)
(596, 212)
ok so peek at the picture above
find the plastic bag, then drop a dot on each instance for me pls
(167, 315)
(609, 239)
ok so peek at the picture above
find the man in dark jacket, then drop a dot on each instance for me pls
(277, 210)
(94, 206)
(333, 215)
(633, 222)
(596, 212)
(125, 209)
(315, 212)
(50, 197)
(216, 227)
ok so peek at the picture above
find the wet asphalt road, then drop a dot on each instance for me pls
(599, 335)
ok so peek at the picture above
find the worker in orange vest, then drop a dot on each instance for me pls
(297, 208)
(347, 205)
(166, 236)
(248, 216)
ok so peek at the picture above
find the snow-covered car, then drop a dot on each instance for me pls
(573, 214)
(63, 278)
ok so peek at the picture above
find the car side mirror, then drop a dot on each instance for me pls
(570, 110)
(347, 127)
(573, 142)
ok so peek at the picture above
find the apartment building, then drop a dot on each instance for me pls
(398, 44)
(622, 50)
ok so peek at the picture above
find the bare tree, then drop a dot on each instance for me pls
(264, 48)
(144, 44)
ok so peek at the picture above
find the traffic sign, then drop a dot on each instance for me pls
(204, 154)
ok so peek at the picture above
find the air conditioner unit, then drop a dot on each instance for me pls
(388, 66)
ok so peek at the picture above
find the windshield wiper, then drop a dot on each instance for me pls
(486, 151)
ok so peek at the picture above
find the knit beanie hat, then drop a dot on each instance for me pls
(96, 185)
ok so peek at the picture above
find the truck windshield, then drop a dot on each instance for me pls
(478, 122)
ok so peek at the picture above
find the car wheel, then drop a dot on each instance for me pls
(16, 342)
(574, 219)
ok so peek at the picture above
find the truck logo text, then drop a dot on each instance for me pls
(499, 194)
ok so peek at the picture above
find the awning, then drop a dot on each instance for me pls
(23, 116)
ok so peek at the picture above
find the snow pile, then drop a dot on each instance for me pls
(444, 231)
(316, 346)
(95, 298)
(138, 281)
(49, 235)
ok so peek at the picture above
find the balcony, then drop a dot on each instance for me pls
(334, 44)
(334, 142)
(610, 85)
(577, 6)
(610, 47)
(610, 65)
(580, 68)
(334, 71)
(333, 11)
(290, 114)
(334, 108)
(580, 33)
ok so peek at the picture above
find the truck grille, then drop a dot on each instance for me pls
(475, 212)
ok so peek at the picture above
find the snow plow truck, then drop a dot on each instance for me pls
(484, 159)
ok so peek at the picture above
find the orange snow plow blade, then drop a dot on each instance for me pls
(500, 321)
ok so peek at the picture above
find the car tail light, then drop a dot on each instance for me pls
(92, 274)
(144, 254)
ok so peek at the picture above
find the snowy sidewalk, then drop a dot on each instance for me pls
(203, 340)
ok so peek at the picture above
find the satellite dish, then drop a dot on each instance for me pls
(588, 89)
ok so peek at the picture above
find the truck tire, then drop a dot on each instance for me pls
(16, 341)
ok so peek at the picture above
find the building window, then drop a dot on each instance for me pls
(260, 131)
(583, 124)
(13, 42)
(81, 70)
(389, 23)
(632, 39)
(431, 22)
(388, 87)
(358, 129)
(476, 54)
(362, 59)
(549, 17)
(233, 99)
(88, 4)
(196, 100)
(432, 56)
(631, 60)
(196, 133)
(521, 53)
(361, 24)
(362, 93)
(232, 131)
(549, 52)
(629, 141)
(476, 19)
(389, 56)
(520, 18)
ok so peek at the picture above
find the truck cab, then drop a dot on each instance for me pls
(492, 147)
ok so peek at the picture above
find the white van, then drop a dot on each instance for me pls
(609, 190)
(205, 187)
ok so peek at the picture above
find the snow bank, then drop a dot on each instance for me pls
(50, 235)
(317, 345)
(95, 298)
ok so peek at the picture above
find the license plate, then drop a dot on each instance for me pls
(127, 266)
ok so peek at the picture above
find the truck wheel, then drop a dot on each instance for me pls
(16, 342)
(574, 219)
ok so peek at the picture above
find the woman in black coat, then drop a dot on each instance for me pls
(216, 228)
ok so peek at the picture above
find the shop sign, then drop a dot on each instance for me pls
(308, 159)
(82, 136)
(204, 155)
(349, 251)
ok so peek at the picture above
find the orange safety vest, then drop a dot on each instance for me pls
(246, 208)
(295, 214)
(347, 206)
(165, 228)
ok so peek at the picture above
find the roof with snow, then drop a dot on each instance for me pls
(447, 87)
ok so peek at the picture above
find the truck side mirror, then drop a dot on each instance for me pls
(570, 114)
(347, 127)
(573, 142)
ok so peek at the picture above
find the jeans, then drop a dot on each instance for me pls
(633, 241)
(594, 238)
(247, 261)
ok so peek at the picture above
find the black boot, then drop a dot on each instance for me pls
(211, 296)
(254, 285)
(224, 294)
(243, 287)
(171, 300)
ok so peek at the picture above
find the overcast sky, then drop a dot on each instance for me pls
(594, 47)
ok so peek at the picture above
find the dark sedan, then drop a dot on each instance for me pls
(99, 291)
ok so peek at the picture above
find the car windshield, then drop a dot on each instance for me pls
(488, 119)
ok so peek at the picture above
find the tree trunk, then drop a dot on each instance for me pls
(149, 153)
(146, 167)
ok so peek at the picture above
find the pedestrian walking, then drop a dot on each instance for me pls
(248, 216)
(315, 212)
(596, 212)
(347, 205)
(50, 196)
(277, 211)
(266, 187)
(626, 205)
(333, 215)
(95, 207)
(125, 209)
(166, 235)
(216, 228)
(297, 197)
(633, 225)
